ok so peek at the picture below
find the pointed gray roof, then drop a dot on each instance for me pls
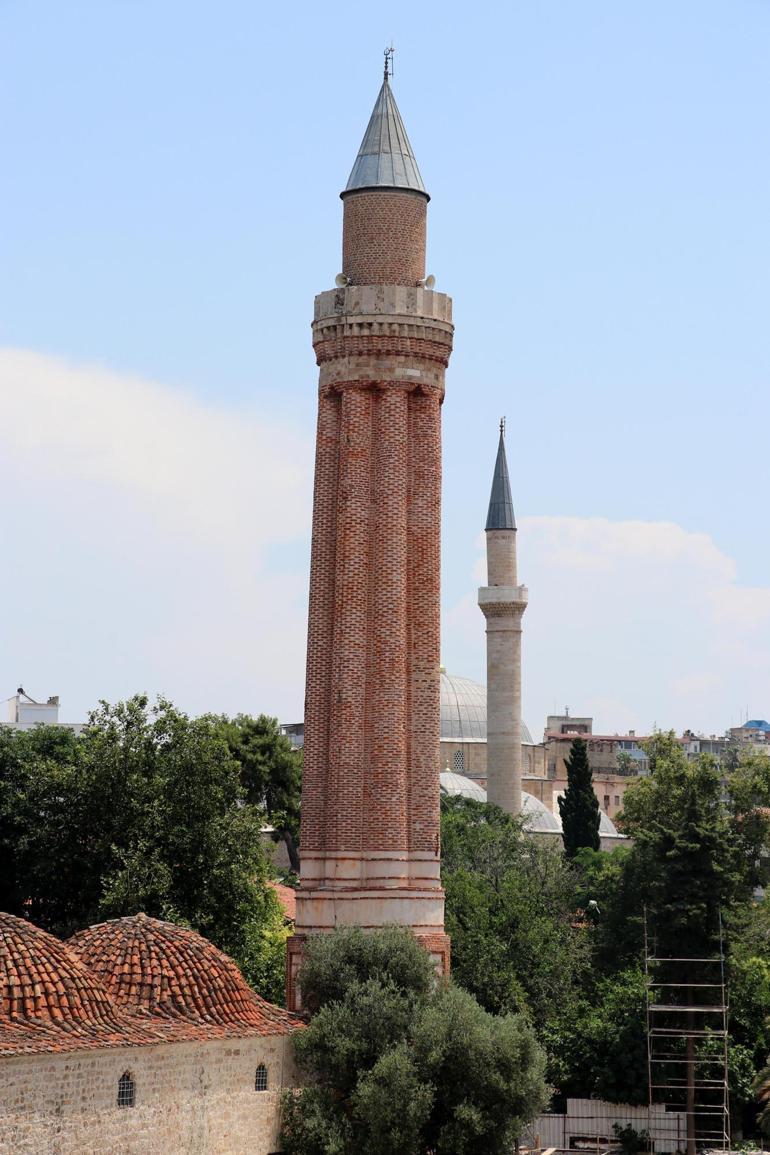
(385, 158)
(500, 515)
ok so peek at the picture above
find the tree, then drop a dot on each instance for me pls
(689, 867)
(144, 811)
(271, 772)
(579, 808)
(510, 903)
(400, 1064)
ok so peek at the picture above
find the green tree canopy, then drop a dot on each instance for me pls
(579, 808)
(270, 770)
(402, 1065)
(144, 810)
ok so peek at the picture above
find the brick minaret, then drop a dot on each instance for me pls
(370, 794)
(503, 603)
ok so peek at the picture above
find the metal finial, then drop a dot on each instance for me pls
(502, 427)
(389, 60)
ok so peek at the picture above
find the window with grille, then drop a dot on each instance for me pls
(126, 1090)
(260, 1079)
(459, 761)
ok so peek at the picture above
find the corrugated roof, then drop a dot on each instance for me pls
(500, 513)
(385, 158)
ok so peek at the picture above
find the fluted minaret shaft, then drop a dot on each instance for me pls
(503, 602)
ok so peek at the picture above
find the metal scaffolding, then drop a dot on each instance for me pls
(687, 1016)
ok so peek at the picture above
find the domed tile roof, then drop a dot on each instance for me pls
(49, 1000)
(464, 711)
(174, 974)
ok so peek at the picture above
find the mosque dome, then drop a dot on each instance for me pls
(464, 711)
(174, 974)
(538, 819)
(457, 785)
(607, 828)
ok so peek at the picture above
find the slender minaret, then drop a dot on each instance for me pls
(370, 790)
(502, 603)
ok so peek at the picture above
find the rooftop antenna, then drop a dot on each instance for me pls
(502, 427)
(389, 69)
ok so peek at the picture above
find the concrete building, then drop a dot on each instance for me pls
(24, 713)
(615, 759)
(135, 1036)
(370, 791)
(503, 602)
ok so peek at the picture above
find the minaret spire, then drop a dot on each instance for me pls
(503, 602)
(500, 513)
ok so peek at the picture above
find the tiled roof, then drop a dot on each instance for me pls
(49, 1000)
(175, 975)
(287, 897)
(133, 982)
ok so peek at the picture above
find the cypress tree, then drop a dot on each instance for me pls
(579, 808)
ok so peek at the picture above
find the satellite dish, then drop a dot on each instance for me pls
(341, 280)
(430, 282)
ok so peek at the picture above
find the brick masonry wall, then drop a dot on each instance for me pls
(370, 791)
(191, 1099)
(383, 237)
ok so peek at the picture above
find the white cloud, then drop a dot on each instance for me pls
(153, 541)
(638, 623)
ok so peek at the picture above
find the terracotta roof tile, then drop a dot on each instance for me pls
(175, 975)
(287, 897)
(132, 982)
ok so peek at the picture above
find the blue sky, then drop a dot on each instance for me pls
(600, 180)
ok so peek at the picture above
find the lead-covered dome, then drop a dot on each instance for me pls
(464, 711)
(458, 786)
(173, 973)
(538, 818)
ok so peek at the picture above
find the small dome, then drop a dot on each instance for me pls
(42, 982)
(538, 818)
(464, 711)
(172, 973)
(456, 785)
(607, 828)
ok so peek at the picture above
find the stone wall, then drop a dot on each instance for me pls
(191, 1099)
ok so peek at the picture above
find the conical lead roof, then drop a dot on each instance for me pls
(385, 158)
(500, 515)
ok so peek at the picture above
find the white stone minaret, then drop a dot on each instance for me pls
(502, 602)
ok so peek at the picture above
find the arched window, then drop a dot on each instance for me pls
(459, 761)
(126, 1090)
(260, 1079)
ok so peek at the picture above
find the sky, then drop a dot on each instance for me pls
(600, 182)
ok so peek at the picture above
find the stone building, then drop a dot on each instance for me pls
(370, 790)
(136, 1036)
(616, 760)
(463, 745)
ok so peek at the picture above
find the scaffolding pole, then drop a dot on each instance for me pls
(687, 1041)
